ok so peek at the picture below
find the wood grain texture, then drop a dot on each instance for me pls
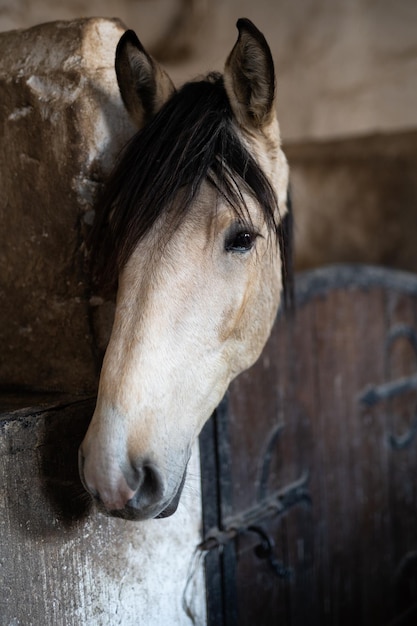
(352, 550)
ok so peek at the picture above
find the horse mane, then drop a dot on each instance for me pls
(190, 140)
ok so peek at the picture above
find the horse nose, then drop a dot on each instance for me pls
(132, 490)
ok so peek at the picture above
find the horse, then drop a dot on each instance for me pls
(193, 232)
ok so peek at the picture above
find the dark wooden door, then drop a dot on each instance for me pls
(316, 460)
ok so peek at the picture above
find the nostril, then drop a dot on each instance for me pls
(146, 480)
(152, 481)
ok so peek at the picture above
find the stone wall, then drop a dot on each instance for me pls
(344, 68)
(62, 123)
(356, 200)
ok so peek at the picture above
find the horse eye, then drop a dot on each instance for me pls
(241, 241)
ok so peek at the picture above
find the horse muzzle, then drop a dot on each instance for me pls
(136, 492)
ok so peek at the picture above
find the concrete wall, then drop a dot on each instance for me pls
(62, 564)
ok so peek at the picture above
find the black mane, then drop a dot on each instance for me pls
(191, 139)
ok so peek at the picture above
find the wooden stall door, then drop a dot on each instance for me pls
(316, 455)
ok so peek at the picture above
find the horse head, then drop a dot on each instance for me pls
(190, 223)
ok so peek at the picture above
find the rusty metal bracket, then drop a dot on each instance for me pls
(274, 505)
(265, 550)
(377, 393)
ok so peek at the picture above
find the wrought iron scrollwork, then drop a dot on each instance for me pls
(374, 394)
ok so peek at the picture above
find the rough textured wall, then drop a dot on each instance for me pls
(343, 67)
(62, 122)
(65, 564)
(356, 201)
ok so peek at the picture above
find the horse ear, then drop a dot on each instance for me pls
(249, 78)
(144, 85)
